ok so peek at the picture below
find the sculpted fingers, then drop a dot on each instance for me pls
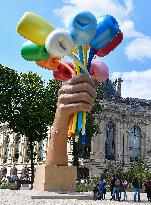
(80, 79)
(77, 88)
(76, 97)
(74, 107)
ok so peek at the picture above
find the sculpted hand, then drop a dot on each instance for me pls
(78, 94)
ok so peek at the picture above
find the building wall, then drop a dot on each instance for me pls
(124, 117)
(8, 160)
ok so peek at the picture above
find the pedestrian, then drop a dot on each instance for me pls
(102, 188)
(118, 189)
(112, 188)
(125, 186)
(137, 184)
(147, 185)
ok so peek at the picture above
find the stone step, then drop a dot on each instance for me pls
(64, 195)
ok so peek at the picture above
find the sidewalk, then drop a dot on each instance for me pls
(24, 197)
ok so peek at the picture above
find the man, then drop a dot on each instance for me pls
(76, 95)
(147, 185)
(137, 184)
(125, 185)
(113, 188)
(102, 187)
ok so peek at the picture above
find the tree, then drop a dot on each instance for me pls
(76, 152)
(138, 168)
(113, 169)
(32, 106)
(9, 85)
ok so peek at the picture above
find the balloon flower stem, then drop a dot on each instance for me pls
(74, 58)
(91, 55)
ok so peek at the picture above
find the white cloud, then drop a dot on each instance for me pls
(135, 84)
(122, 12)
(139, 48)
(128, 28)
(97, 7)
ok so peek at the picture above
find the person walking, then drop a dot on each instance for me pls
(118, 189)
(137, 184)
(113, 188)
(102, 188)
(147, 185)
(125, 185)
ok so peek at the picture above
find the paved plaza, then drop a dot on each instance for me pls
(23, 197)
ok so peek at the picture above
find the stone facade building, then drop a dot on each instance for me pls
(13, 153)
(125, 126)
(125, 134)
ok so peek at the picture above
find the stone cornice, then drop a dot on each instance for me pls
(122, 112)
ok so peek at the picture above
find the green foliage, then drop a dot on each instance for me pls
(113, 169)
(52, 97)
(9, 85)
(76, 152)
(87, 186)
(9, 185)
(138, 168)
(30, 115)
(35, 108)
(27, 105)
(84, 187)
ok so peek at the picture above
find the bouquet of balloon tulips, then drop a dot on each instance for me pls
(85, 38)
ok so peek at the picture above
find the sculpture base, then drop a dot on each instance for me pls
(55, 178)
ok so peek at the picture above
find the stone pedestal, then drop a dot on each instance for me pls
(55, 178)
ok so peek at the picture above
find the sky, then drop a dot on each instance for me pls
(131, 60)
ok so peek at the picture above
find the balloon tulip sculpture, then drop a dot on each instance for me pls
(84, 39)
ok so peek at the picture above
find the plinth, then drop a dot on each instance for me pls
(55, 178)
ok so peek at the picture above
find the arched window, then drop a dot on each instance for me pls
(16, 153)
(41, 150)
(82, 172)
(135, 143)
(27, 150)
(110, 141)
(6, 148)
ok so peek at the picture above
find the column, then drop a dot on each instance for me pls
(117, 140)
(98, 143)
(126, 144)
(102, 139)
(143, 140)
(148, 143)
(25, 150)
(20, 159)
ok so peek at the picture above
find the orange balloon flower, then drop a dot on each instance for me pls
(49, 63)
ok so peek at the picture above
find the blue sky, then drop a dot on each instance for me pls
(131, 60)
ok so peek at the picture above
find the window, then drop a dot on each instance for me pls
(6, 149)
(16, 153)
(41, 150)
(110, 141)
(135, 143)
